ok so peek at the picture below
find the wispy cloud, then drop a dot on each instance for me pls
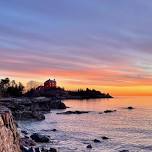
(81, 43)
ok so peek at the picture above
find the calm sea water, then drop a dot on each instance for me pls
(127, 129)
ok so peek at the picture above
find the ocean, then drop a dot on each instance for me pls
(126, 129)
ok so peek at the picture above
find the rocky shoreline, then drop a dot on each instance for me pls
(9, 137)
(31, 108)
(24, 109)
(28, 109)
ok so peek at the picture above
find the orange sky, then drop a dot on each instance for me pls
(83, 79)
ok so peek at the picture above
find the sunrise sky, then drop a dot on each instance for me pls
(101, 44)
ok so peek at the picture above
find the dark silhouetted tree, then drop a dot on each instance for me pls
(10, 88)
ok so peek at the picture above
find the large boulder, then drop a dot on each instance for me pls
(57, 105)
(26, 149)
(26, 142)
(50, 150)
(40, 138)
(89, 146)
(38, 115)
(26, 115)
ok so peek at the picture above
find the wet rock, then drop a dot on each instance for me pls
(104, 138)
(44, 150)
(130, 108)
(31, 149)
(89, 146)
(25, 149)
(26, 115)
(26, 136)
(52, 150)
(37, 149)
(73, 112)
(57, 105)
(27, 142)
(100, 112)
(40, 138)
(96, 141)
(39, 116)
(54, 130)
(24, 132)
(124, 151)
(109, 111)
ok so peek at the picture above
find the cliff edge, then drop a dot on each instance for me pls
(9, 138)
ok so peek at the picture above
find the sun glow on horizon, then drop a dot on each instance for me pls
(139, 90)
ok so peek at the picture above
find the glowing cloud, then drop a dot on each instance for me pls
(98, 44)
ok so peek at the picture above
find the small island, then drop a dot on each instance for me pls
(88, 94)
(50, 89)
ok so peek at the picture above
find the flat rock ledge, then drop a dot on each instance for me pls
(31, 108)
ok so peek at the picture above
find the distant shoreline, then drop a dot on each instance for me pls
(80, 98)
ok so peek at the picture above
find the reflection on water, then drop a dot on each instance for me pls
(127, 129)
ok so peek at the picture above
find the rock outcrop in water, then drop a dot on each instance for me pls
(31, 108)
(73, 112)
(96, 141)
(40, 138)
(130, 108)
(9, 137)
(104, 138)
(89, 146)
(31, 143)
(107, 111)
(57, 104)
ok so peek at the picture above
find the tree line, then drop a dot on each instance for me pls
(89, 93)
(10, 88)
